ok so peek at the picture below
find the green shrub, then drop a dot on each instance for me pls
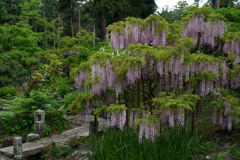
(6, 91)
(47, 131)
(13, 125)
(63, 87)
(235, 152)
(60, 151)
(75, 141)
(39, 97)
(56, 120)
(69, 98)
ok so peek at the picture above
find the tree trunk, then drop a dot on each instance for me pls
(199, 41)
(93, 129)
(158, 84)
(149, 90)
(197, 109)
(200, 105)
(79, 19)
(59, 17)
(103, 26)
(143, 91)
(44, 16)
(127, 111)
(94, 34)
(95, 125)
(107, 35)
(193, 121)
(54, 44)
(119, 99)
(216, 4)
(59, 23)
(71, 25)
(133, 99)
(138, 94)
(102, 18)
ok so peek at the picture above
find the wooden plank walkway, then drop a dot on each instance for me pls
(32, 148)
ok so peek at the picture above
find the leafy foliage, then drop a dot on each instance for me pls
(5, 91)
(171, 101)
(17, 37)
(80, 103)
(62, 86)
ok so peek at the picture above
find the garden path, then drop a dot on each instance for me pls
(32, 148)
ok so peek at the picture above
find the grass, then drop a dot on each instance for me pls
(114, 144)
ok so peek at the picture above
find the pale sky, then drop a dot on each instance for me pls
(171, 3)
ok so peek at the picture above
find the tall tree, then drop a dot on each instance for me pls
(10, 11)
(100, 12)
(175, 14)
(108, 11)
(216, 4)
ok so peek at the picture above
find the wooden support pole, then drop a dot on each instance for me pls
(193, 121)
(138, 94)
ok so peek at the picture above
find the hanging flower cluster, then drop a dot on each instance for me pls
(133, 74)
(134, 116)
(119, 72)
(80, 79)
(206, 84)
(232, 43)
(66, 51)
(145, 31)
(176, 72)
(225, 118)
(84, 116)
(99, 78)
(204, 25)
(71, 52)
(82, 107)
(147, 127)
(180, 116)
(116, 115)
(235, 82)
(233, 73)
(224, 108)
(173, 107)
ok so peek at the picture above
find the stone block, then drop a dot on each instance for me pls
(39, 121)
(4, 109)
(2, 115)
(32, 137)
(18, 157)
(4, 158)
(17, 146)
